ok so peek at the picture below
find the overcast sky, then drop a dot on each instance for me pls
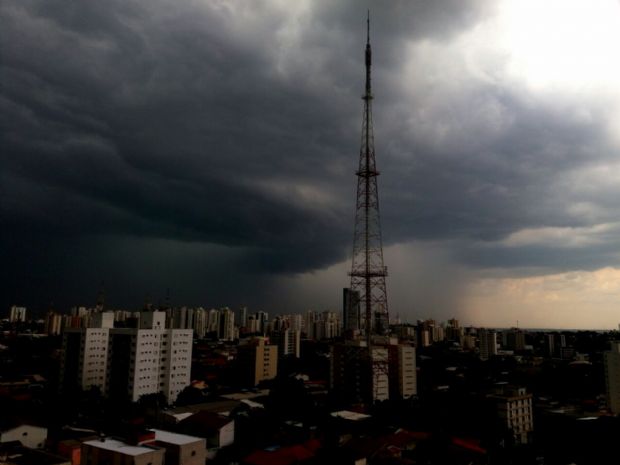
(209, 147)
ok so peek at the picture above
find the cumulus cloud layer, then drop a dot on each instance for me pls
(223, 136)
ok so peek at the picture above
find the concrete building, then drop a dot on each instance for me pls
(612, 377)
(149, 359)
(219, 430)
(288, 342)
(257, 360)
(30, 436)
(85, 358)
(297, 322)
(488, 343)
(324, 325)
(13, 454)
(351, 311)
(181, 449)
(17, 314)
(515, 339)
(226, 329)
(358, 373)
(402, 371)
(112, 451)
(514, 407)
(127, 362)
(200, 323)
(468, 342)
(53, 324)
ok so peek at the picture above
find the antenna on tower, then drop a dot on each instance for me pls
(167, 301)
(367, 269)
(101, 297)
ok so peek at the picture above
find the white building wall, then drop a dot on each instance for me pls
(227, 434)
(145, 361)
(488, 343)
(93, 357)
(153, 320)
(178, 362)
(17, 314)
(200, 322)
(227, 324)
(214, 321)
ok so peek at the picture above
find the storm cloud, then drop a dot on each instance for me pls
(209, 147)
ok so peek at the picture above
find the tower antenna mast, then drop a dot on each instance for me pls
(368, 272)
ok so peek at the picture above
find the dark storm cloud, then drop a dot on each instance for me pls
(217, 124)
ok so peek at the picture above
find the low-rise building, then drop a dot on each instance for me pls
(218, 430)
(108, 451)
(30, 436)
(12, 453)
(181, 449)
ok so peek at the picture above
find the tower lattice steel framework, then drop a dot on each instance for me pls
(368, 272)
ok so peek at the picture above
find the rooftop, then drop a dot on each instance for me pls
(349, 415)
(246, 395)
(119, 446)
(174, 438)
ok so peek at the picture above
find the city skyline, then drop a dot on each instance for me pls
(210, 150)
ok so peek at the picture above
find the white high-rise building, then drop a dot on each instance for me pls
(227, 325)
(128, 362)
(179, 318)
(331, 325)
(17, 314)
(488, 343)
(402, 371)
(213, 325)
(297, 322)
(311, 318)
(93, 356)
(288, 342)
(612, 377)
(159, 359)
(358, 373)
(85, 354)
(53, 324)
(241, 316)
(200, 322)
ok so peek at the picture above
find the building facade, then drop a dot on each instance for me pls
(107, 451)
(488, 343)
(612, 377)
(288, 342)
(514, 408)
(257, 360)
(359, 374)
(127, 363)
(17, 314)
(402, 371)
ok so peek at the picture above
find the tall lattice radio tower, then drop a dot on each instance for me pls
(368, 272)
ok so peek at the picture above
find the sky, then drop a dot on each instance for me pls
(205, 150)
